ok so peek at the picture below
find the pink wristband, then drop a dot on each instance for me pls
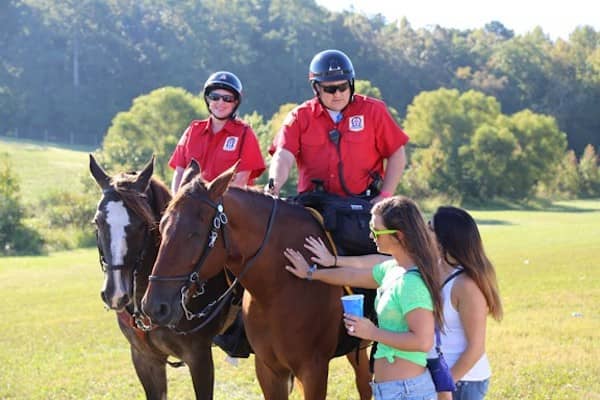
(385, 194)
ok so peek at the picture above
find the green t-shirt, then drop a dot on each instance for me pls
(398, 294)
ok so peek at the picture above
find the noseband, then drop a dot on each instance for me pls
(220, 220)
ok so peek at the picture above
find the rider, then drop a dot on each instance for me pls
(218, 142)
(339, 137)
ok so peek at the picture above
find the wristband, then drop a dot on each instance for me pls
(385, 194)
(309, 273)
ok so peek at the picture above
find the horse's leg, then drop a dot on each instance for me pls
(152, 373)
(203, 372)
(362, 375)
(313, 377)
(274, 385)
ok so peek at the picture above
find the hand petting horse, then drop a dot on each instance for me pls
(126, 227)
(293, 325)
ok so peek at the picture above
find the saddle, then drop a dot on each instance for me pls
(345, 218)
(346, 223)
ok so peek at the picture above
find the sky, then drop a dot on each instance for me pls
(558, 18)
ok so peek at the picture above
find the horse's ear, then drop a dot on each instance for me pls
(192, 170)
(220, 184)
(101, 177)
(143, 179)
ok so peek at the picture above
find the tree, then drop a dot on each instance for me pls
(540, 147)
(152, 125)
(589, 173)
(566, 182)
(469, 150)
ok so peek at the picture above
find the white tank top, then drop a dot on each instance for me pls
(454, 341)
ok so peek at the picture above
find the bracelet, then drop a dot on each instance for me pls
(385, 194)
(309, 272)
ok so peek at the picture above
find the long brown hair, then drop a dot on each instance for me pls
(461, 244)
(402, 213)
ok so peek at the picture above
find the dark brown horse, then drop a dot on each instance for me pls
(293, 325)
(126, 223)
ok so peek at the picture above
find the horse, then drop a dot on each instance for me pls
(126, 227)
(293, 325)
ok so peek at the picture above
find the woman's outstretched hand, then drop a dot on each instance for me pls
(322, 255)
(299, 265)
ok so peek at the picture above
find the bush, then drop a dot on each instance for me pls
(65, 219)
(15, 237)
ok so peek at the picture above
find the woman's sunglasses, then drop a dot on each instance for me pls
(227, 98)
(376, 233)
(331, 89)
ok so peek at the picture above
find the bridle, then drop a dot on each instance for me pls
(219, 223)
(141, 320)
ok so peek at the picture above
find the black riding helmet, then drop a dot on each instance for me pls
(224, 80)
(331, 65)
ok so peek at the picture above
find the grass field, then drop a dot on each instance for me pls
(42, 168)
(57, 342)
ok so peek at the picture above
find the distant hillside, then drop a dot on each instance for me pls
(44, 167)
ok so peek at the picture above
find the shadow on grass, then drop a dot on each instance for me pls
(493, 222)
(537, 205)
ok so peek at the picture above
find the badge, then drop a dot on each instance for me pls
(230, 143)
(356, 123)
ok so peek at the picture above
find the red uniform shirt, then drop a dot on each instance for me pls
(217, 152)
(368, 135)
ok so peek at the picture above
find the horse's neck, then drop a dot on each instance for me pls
(263, 275)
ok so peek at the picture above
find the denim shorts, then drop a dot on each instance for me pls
(471, 390)
(417, 388)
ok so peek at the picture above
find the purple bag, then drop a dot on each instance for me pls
(440, 373)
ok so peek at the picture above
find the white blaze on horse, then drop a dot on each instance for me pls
(126, 222)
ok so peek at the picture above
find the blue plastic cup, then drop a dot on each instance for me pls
(353, 304)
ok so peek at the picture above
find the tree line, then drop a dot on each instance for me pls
(491, 115)
(68, 67)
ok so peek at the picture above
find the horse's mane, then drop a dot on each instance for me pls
(148, 205)
(198, 185)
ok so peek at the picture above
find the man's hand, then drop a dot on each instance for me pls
(271, 189)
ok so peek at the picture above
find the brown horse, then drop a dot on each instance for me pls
(126, 223)
(293, 325)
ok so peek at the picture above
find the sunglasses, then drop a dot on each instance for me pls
(378, 232)
(227, 98)
(331, 89)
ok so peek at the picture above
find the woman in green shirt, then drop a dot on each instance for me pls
(408, 302)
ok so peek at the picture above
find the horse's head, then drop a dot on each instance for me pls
(124, 228)
(190, 252)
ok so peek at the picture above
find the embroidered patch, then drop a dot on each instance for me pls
(230, 143)
(356, 123)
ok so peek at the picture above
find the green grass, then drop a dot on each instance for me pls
(42, 168)
(57, 342)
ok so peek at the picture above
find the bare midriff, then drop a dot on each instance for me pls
(399, 369)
